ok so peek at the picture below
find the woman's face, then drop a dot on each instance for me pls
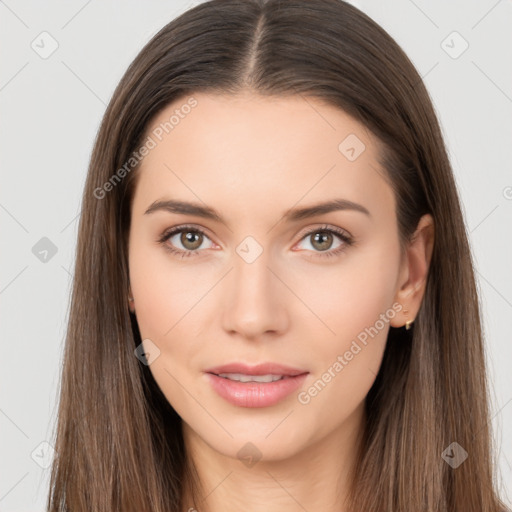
(264, 280)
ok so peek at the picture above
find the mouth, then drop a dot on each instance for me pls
(255, 386)
(240, 377)
(258, 370)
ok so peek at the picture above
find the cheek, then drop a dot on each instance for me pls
(170, 295)
(355, 303)
(351, 294)
(166, 290)
(167, 297)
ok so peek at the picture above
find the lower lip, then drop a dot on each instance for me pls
(255, 394)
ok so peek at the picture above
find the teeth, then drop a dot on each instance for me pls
(251, 378)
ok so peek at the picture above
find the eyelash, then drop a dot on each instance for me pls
(347, 240)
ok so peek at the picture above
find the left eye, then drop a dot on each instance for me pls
(323, 239)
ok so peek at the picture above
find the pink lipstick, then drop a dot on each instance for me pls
(262, 385)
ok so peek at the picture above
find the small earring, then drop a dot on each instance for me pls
(131, 299)
(409, 322)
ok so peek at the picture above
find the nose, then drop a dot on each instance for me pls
(256, 299)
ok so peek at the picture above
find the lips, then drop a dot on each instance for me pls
(236, 383)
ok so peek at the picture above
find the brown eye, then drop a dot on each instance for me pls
(322, 240)
(191, 240)
(184, 241)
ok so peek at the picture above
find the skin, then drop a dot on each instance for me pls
(252, 158)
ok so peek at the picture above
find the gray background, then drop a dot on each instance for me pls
(51, 109)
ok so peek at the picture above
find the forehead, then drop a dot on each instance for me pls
(246, 151)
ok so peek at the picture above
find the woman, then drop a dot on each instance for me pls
(274, 304)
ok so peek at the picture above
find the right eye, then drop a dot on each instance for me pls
(191, 238)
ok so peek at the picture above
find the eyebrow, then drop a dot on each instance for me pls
(291, 215)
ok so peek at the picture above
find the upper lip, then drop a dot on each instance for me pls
(259, 369)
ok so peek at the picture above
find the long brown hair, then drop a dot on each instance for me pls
(118, 441)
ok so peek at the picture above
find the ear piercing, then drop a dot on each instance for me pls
(409, 322)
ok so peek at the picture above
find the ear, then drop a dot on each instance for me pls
(414, 272)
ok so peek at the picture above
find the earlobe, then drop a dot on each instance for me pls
(408, 323)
